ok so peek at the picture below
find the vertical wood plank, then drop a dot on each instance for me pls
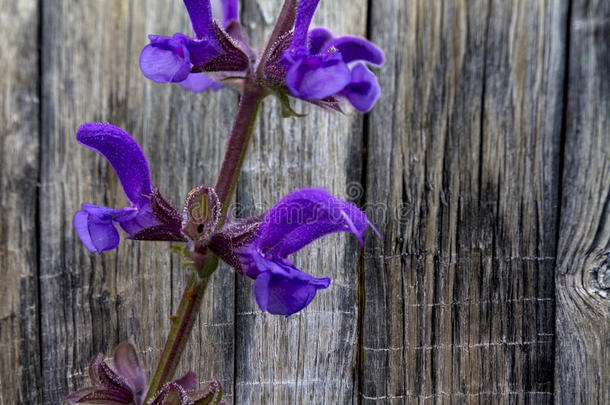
(463, 173)
(90, 303)
(19, 164)
(583, 264)
(308, 357)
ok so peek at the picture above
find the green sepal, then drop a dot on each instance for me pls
(287, 110)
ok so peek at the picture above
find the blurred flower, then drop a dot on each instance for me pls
(122, 380)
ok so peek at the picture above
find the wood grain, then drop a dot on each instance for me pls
(485, 166)
(307, 357)
(583, 260)
(19, 166)
(459, 294)
(90, 303)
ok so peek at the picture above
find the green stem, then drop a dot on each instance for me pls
(182, 325)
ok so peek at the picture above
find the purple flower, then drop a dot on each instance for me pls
(96, 225)
(319, 66)
(295, 221)
(122, 380)
(181, 59)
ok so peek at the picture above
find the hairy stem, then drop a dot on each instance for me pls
(285, 22)
(182, 325)
(238, 143)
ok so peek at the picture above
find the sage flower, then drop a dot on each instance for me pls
(185, 60)
(96, 225)
(294, 222)
(319, 65)
(122, 380)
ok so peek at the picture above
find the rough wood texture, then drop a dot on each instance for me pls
(582, 360)
(485, 166)
(90, 303)
(19, 146)
(308, 357)
(459, 296)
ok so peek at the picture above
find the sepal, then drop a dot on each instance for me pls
(200, 215)
(234, 234)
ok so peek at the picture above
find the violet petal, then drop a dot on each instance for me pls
(200, 12)
(354, 48)
(97, 235)
(128, 365)
(124, 155)
(230, 11)
(166, 60)
(363, 91)
(199, 82)
(143, 220)
(318, 38)
(317, 77)
(304, 216)
(284, 290)
(305, 11)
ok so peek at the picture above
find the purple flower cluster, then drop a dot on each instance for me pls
(311, 64)
(122, 380)
(256, 247)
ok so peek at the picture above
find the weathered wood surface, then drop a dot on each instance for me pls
(485, 167)
(582, 360)
(459, 297)
(19, 164)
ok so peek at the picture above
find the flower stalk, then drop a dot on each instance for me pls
(182, 325)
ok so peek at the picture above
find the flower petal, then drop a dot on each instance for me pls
(230, 11)
(170, 394)
(166, 60)
(363, 91)
(317, 77)
(354, 48)
(200, 12)
(97, 235)
(97, 395)
(284, 290)
(104, 376)
(198, 82)
(129, 367)
(110, 214)
(144, 219)
(124, 155)
(318, 38)
(188, 381)
(304, 216)
(305, 11)
(82, 230)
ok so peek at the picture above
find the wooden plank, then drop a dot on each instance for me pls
(583, 260)
(462, 178)
(308, 357)
(90, 303)
(19, 168)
